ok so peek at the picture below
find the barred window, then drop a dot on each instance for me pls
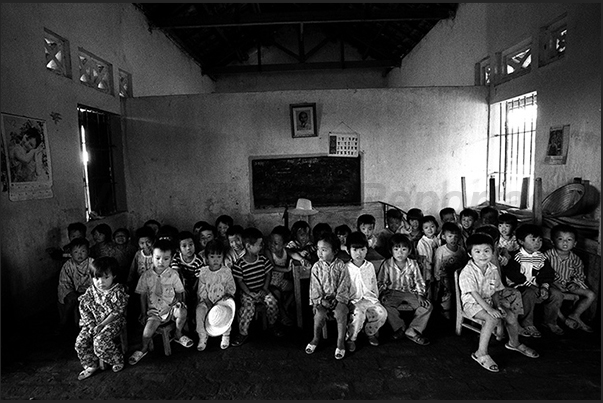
(95, 72)
(517, 59)
(58, 59)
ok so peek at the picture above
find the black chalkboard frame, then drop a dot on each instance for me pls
(279, 209)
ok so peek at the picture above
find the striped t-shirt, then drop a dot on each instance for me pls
(252, 274)
(568, 270)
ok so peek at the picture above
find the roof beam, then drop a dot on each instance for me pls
(325, 17)
(300, 67)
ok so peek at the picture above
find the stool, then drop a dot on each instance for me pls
(567, 297)
(123, 340)
(261, 313)
(164, 331)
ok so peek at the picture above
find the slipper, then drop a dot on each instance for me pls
(583, 326)
(184, 341)
(87, 373)
(523, 349)
(485, 361)
(339, 353)
(117, 367)
(572, 323)
(310, 348)
(418, 338)
(225, 342)
(137, 356)
(351, 345)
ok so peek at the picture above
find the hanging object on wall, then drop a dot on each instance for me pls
(556, 152)
(343, 142)
(26, 159)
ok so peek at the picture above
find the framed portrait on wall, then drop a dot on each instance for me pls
(303, 120)
(557, 147)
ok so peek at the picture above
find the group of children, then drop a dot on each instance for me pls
(206, 277)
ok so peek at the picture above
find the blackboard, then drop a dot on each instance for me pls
(326, 181)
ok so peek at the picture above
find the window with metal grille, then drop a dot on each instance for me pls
(56, 48)
(552, 41)
(515, 61)
(95, 72)
(102, 159)
(511, 149)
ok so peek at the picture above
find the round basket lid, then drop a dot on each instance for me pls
(564, 201)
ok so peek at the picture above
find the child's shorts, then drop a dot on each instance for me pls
(509, 298)
(278, 280)
(166, 316)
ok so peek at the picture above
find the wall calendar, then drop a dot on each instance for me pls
(343, 145)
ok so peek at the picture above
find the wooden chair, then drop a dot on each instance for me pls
(165, 332)
(463, 321)
(299, 272)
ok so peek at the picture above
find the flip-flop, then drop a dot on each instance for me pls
(310, 348)
(485, 361)
(117, 367)
(339, 353)
(572, 323)
(136, 356)
(87, 373)
(523, 349)
(184, 341)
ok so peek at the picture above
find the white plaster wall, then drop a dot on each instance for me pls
(416, 145)
(114, 32)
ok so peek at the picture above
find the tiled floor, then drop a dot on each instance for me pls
(42, 368)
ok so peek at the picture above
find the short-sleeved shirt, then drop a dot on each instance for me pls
(485, 283)
(74, 278)
(252, 274)
(363, 282)
(140, 264)
(329, 281)
(447, 261)
(407, 279)
(161, 290)
(213, 285)
(568, 270)
(188, 270)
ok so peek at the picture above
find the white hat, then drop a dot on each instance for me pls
(220, 317)
(303, 207)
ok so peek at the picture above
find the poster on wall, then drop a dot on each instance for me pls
(26, 158)
(556, 151)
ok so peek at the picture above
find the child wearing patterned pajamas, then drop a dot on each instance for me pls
(252, 274)
(102, 310)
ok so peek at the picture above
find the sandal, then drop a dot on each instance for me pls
(310, 348)
(137, 356)
(523, 349)
(418, 338)
(485, 361)
(225, 342)
(117, 367)
(184, 341)
(339, 353)
(572, 323)
(87, 373)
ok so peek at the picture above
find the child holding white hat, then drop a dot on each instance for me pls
(216, 288)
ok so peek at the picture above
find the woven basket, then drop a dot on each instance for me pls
(565, 201)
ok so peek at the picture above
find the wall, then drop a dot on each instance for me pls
(114, 32)
(410, 138)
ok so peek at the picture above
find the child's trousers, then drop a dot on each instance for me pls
(370, 314)
(247, 310)
(102, 346)
(393, 301)
(201, 314)
(530, 297)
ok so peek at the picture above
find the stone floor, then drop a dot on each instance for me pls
(41, 367)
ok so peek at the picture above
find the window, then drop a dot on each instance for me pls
(483, 72)
(125, 84)
(552, 41)
(511, 148)
(95, 72)
(58, 59)
(516, 60)
(102, 159)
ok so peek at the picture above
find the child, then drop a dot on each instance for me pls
(143, 258)
(366, 310)
(104, 245)
(216, 283)
(447, 259)
(102, 312)
(236, 248)
(395, 223)
(569, 273)
(74, 279)
(366, 224)
(500, 256)
(414, 217)
(281, 284)
(468, 217)
(207, 233)
(74, 230)
(488, 215)
(447, 214)
(300, 246)
(154, 225)
(532, 274)
(426, 248)
(222, 224)
(342, 232)
(329, 292)
(125, 252)
(170, 233)
(161, 299)
(507, 223)
(484, 297)
(188, 265)
(252, 274)
(401, 283)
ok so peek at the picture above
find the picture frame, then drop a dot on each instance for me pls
(558, 145)
(303, 120)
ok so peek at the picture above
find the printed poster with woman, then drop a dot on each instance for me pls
(26, 158)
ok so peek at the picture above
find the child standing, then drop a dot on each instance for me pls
(300, 246)
(507, 223)
(216, 283)
(484, 297)
(161, 299)
(222, 224)
(343, 231)
(252, 274)
(281, 284)
(447, 259)
(366, 310)
(74, 279)
(74, 230)
(103, 246)
(426, 248)
(102, 312)
(236, 248)
(447, 214)
(207, 233)
(569, 273)
(143, 258)
(532, 274)
(468, 217)
(401, 283)
(188, 265)
(126, 252)
(329, 292)
(366, 224)
(395, 223)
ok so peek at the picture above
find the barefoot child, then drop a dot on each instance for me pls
(484, 297)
